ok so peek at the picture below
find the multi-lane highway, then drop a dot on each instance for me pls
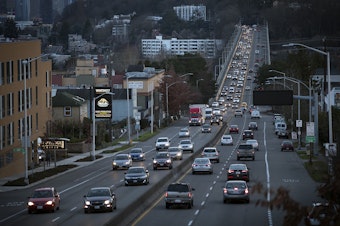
(144, 205)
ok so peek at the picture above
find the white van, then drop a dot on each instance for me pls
(255, 114)
(280, 126)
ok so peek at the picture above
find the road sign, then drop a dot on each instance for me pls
(294, 135)
(310, 129)
(299, 123)
(310, 139)
(332, 149)
(52, 144)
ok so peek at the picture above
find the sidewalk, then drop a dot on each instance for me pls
(71, 160)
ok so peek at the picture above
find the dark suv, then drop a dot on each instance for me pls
(179, 194)
(248, 134)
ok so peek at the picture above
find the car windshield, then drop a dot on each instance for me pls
(136, 151)
(162, 140)
(238, 167)
(173, 150)
(178, 187)
(98, 192)
(209, 150)
(42, 194)
(135, 170)
(236, 185)
(185, 142)
(121, 157)
(201, 161)
(184, 130)
(162, 156)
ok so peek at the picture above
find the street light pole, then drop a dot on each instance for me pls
(284, 77)
(330, 123)
(128, 109)
(26, 130)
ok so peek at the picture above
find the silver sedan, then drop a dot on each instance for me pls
(202, 165)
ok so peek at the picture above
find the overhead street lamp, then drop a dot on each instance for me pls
(94, 121)
(330, 123)
(26, 130)
(128, 109)
(167, 95)
(197, 81)
(284, 76)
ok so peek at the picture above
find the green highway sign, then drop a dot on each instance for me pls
(310, 139)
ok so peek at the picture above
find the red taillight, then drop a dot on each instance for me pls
(189, 195)
(166, 194)
(244, 171)
(230, 171)
(225, 190)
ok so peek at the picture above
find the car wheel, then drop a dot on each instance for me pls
(238, 158)
(253, 158)
(115, 207)
(29, 211)
(225, 201)
(85, 211)
(111, 209)
(247, 200)
(192, 151)
(167, 205)
(155, 168)
(281, 149)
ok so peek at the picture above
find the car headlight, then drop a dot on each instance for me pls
(178, 154)
(49, 202)
(154, 161)
(87, 203)
(168, 161)
(107, 202)
(114, 163)
(30, 203)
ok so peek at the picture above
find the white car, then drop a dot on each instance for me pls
(236, 100)
(226, 140)
(184, 132)
(215, 104)
(162, 143)
(254, 143)
(255, 114)
(186, 145)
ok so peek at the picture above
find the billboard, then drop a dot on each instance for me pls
(273, 97)
(103, 102)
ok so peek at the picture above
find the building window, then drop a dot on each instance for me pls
(68, 111)
(10, 134)
(9, 69)
(2, 137)
(36, 95)
(36, 121)
(10, 104)
(3, 107)
(2, 73)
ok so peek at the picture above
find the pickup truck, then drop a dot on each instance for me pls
(179, 194)
(245, 151)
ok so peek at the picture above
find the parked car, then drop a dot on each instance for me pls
(100, 199)
(247, 134)
(235, 190)
(43, 199)
(137, 154)
(175, 153)
(233, 129)
(184, 132)
(121, 161)
(136, 175)
(254, 143)
(179, 194)
(238, 172)
(226, 140)
(211, 153)
(202, 165)
(322, 214)
(206, 128)
(252, 126)
(162, 143)
(162, 160)
(186, 145)
(287, 145)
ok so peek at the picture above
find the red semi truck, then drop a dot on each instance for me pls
(197, 114)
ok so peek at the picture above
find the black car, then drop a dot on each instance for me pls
(136, 175)
(214, 119)
(287, 145)
(248, 134)
(238, 172)
(162, 160)
(252, 126)
(100, 199)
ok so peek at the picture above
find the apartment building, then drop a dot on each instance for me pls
(191, 12)
(25, 100)
(207, 48)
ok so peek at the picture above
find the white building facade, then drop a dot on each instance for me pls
(207, 48)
